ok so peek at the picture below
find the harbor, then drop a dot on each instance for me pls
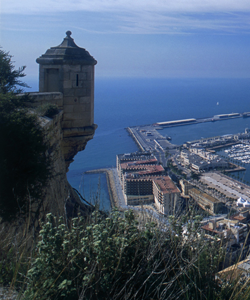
(157, 139)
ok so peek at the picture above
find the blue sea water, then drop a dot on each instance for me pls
(120, 103)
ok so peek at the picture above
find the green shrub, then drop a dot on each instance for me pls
(48, 110)
(25, 165)
(114, 257)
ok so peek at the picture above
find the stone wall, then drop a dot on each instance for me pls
(74, 139)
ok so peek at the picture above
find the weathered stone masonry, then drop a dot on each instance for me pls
(66, 78)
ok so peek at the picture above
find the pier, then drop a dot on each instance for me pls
(191, 121)
(149, 139)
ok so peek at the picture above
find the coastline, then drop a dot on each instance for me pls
(114, 200)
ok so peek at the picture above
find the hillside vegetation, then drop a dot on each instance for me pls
(120, 256)
(25, 165)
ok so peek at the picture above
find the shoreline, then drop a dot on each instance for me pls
(114, 200)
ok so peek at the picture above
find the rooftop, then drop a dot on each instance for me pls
(205, 195)
(166, 185)
(142, 169)
(67, 52)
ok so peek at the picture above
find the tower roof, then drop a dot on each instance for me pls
(66, 53)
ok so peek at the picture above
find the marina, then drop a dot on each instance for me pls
(239, 152)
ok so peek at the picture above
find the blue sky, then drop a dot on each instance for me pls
(134, 38)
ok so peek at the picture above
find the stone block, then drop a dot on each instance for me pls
(66, 68)
(51, 66)
(89, 92)
(66, 76)
(83, 122)
(81, 115)
(83, 76)
(72, 68)
(86, 69)
(68, 92)
(76, 68)
(81, 92)
(79, 108)
(68, 108)
(90, 75)
(70, 116)
(85, 99)
(67, 123)
(70, 100)
(73, 76)
(67, 84)
(86, 84)
(87, 107)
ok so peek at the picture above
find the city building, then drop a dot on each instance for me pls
(242, 216)
(232, 231)
(166, 195)
(205, 201)
(143, 182)
(201, 160)
(235, 273)
(138, 191)
(145, 157)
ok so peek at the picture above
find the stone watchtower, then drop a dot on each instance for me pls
(66, 78)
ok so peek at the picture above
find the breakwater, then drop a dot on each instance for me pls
(191, 121)
(137, 139)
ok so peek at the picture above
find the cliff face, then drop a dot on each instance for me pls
(57, 190)
(59, 197)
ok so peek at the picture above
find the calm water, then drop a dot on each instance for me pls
(193, 132)
(120, 103)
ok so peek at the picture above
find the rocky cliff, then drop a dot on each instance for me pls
(59, 197)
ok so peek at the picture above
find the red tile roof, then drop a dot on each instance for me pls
(166, 185)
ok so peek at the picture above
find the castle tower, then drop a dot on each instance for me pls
(69, 70)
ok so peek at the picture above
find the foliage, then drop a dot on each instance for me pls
(25, 166)
(116, 257)
(24, 163)
(14, 263)
(48, 110)
(9, 77)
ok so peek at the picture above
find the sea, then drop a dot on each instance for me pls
(124, 102)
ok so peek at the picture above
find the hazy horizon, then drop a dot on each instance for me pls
(165, 39)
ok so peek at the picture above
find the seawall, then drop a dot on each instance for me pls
(114, 201)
